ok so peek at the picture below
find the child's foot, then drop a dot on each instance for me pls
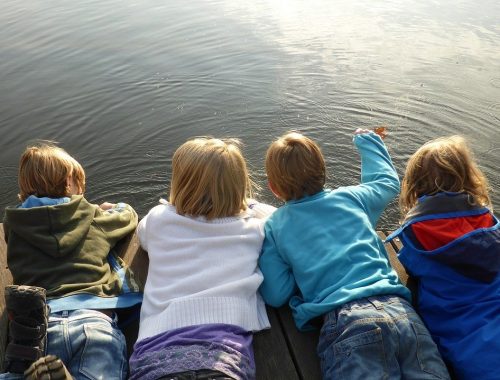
(28, 317)
(49, 367)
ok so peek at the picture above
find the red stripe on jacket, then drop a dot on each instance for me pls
(435, 233)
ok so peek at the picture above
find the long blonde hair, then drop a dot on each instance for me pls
(444, 164)
(209, 178)
(44, 171)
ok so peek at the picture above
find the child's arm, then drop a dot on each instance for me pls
(279, 284)
(107, 206)
(117, 221)
(379, 179)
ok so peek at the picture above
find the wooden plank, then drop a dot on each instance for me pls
(410, 282)
(135, 257)
(272, 357)
(5, 279)
(393, 258)
(302, 346)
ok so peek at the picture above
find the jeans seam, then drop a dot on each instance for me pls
(67, 340)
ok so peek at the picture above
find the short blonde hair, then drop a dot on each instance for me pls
(443, 164)
(209, 178)
(44, 170)
(295, 166)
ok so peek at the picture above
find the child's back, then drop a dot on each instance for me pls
(207, 262)
(451, 245)
(322, 253)
(64, 249)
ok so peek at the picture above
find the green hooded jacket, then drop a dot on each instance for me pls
(64, 248)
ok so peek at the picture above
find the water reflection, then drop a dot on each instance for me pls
(121, 85)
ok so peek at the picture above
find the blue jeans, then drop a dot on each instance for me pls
(89, 343)
(378, 338)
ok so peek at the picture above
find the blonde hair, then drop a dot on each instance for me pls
(444, 164)
(44, 170)
(295, 166)
(209, 178)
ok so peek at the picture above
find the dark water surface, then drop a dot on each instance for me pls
(121, 84)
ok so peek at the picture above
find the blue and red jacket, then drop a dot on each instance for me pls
(452, 247)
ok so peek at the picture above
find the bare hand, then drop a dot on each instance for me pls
(106, 206)
(361, 131)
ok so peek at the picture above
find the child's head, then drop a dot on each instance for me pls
(295, 167)
(209, 178)
(445, 164)
(49, 171)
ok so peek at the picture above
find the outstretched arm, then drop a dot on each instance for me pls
(379, 179)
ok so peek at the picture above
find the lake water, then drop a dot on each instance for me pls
(121, 84)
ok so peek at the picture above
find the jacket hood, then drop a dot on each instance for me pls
(474, 254)
(55, 230)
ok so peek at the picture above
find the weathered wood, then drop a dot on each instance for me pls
(393, 258)
(410, 282)
(302, 346)
(272, 357)
(5, 279)
(136, 258)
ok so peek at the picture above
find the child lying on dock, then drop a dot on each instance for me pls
(58, 246)
(201, 303)
(322, 254)
(451, 245)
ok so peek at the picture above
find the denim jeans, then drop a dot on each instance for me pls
(378, 338)
(89, 343)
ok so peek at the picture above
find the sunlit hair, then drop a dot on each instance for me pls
(444, 164)
(44, 170)
(209, 178)
(295, 166)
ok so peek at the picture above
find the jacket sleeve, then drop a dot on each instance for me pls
(379, 179)
(279, 284)
(117, 223)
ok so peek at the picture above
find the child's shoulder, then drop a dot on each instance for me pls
(163, 207)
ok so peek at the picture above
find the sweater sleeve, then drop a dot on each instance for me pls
(261, 210)
(379, 179)
(279, 284)
(117, 224)
(141, 232)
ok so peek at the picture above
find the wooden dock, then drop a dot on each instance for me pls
(281, 353)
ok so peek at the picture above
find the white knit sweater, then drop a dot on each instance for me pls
(201, 271)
